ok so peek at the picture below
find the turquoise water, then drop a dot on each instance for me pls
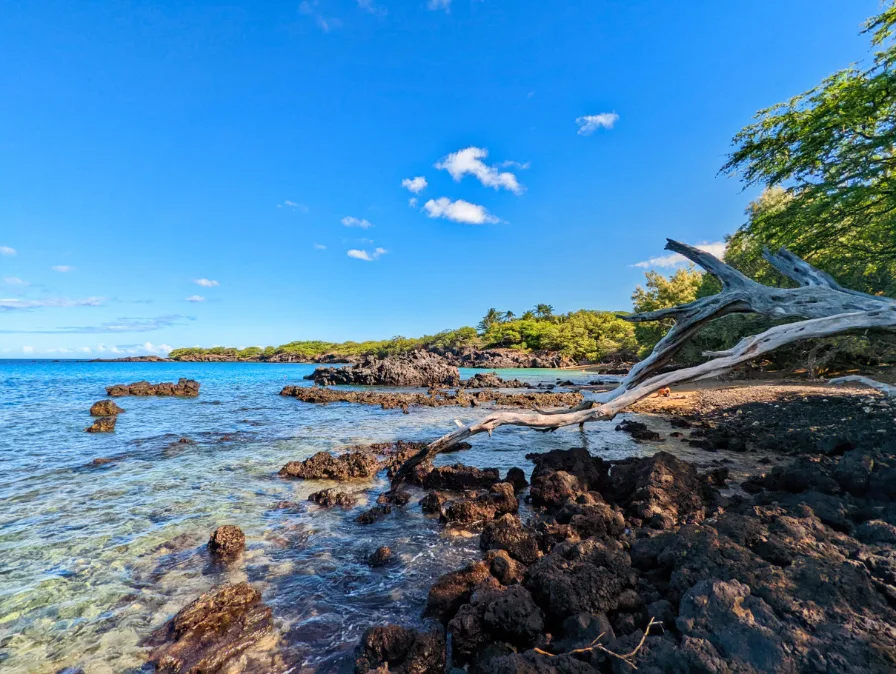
(93, 558)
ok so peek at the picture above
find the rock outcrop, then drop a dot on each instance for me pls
(102, 425)
(105, 408)
(325, 466)
(416, 368)
(226, 543)
(184, 388)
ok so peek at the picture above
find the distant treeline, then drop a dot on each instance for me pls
(584, 336)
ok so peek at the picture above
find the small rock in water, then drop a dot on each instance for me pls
(184, 388)
(380, 557)
(432, 502)
(105, 408)
(398, 498)
(374, 514)
(325, 466)
(102, 425)
(327, 498)
(227, 542)
(517, 478)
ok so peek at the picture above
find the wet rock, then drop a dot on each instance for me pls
(589, 517)
(212, 631)
(102, 425)
(184, 388)
(105, 408)
(459, 477)
(590, 471)
(395, 649)
(101, 461)
(554, 489)
(508, 533)
(491, 380)
(432, 502)
(227, 542)
(417, 368)
(638, 430)
(499, 500)
(327, 498)
(325, 466)
(453, 589)
(394, 497)
(374, 514)
(505, 568)
(588, 576)
(380, 557)
(517, 478)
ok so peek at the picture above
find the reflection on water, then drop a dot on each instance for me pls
(93, 557)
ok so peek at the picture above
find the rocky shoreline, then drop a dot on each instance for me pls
(656, 563)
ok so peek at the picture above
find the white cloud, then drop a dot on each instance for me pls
(439, 4)
(365, 255)
(320, 246)
(62, 268)
(716, 248)
(195, 298)
(14, 281)
(415, 185)
(85, 349)
(309, 8)
(6, 250)
(295, 205)
(371, 7)
(206, 283)
(590, 123)
(469, 161)
(412, 202)
(27, 349)
(459, 211)
(350, 221)
(10, 303)
(510, 163)
(157, 349)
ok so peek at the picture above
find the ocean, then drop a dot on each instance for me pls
(95, 557)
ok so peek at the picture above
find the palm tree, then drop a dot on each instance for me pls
(528, 315)
(508, 316)
(544, 310)
(492, 317)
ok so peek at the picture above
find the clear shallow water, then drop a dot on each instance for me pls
(93, 558)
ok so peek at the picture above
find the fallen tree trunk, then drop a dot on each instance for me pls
(828, 309)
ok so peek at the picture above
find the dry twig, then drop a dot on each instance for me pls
(628, 658)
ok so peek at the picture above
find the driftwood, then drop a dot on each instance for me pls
(825, 307)
(887, 389)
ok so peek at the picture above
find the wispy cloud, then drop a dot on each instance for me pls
(62, 268)
(120, 325)
(415, 185)
(510, 163)
(12, 304)
(716, 248)
(469, 162)
(459, 211)
(412, 202)
(367, 256)
(590, 123)
(14, 281)
(206, 283)
(320, 246)
(372, 8)
(350, 221)
(6, 250)
(310, 8)
(195, 298)
(439, 4)
(293, 205)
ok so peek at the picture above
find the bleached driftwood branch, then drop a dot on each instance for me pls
(827, 308)
(887, 389)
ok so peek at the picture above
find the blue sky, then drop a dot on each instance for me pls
(196, 173)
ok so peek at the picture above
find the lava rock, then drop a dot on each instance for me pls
(102, 425)
(327, 498)
(417, 368)
(508, 533)
(374, 514)
(398, 650)
(380, 557)
(517, 478)
(325, 466)
(227, 542)
(184, 388)
(105, 408)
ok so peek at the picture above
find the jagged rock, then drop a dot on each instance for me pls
(226, 542)
(105, 408)
(459, 477)
(380, 557)
(554, 489)
(853, 472)
(395, 649)
(453, 589)
(505, 568)
(102, 425)
(432, 502)
(517, 478)
(397, 497)
(374, 514)
(876, 531)
(184, 388)
(211, 632)
(417, 368)
(327, 498)
(638, 430)
(499, 500)
(508, 533)
(501, 359)
(491, 380)
(325, 466)
(590, 471)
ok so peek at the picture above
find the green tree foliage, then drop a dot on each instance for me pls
(492, 317)
(660, 292)
(832, 150)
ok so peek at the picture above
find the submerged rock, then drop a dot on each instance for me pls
(374, 514)
(325, 466)
(638, 430)
(226, 543)
(105, 408)
(102, 425)
(212, 631)
(395, 649)
(327, 498)
(380, 557)
(417, 368)
(184, 388)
